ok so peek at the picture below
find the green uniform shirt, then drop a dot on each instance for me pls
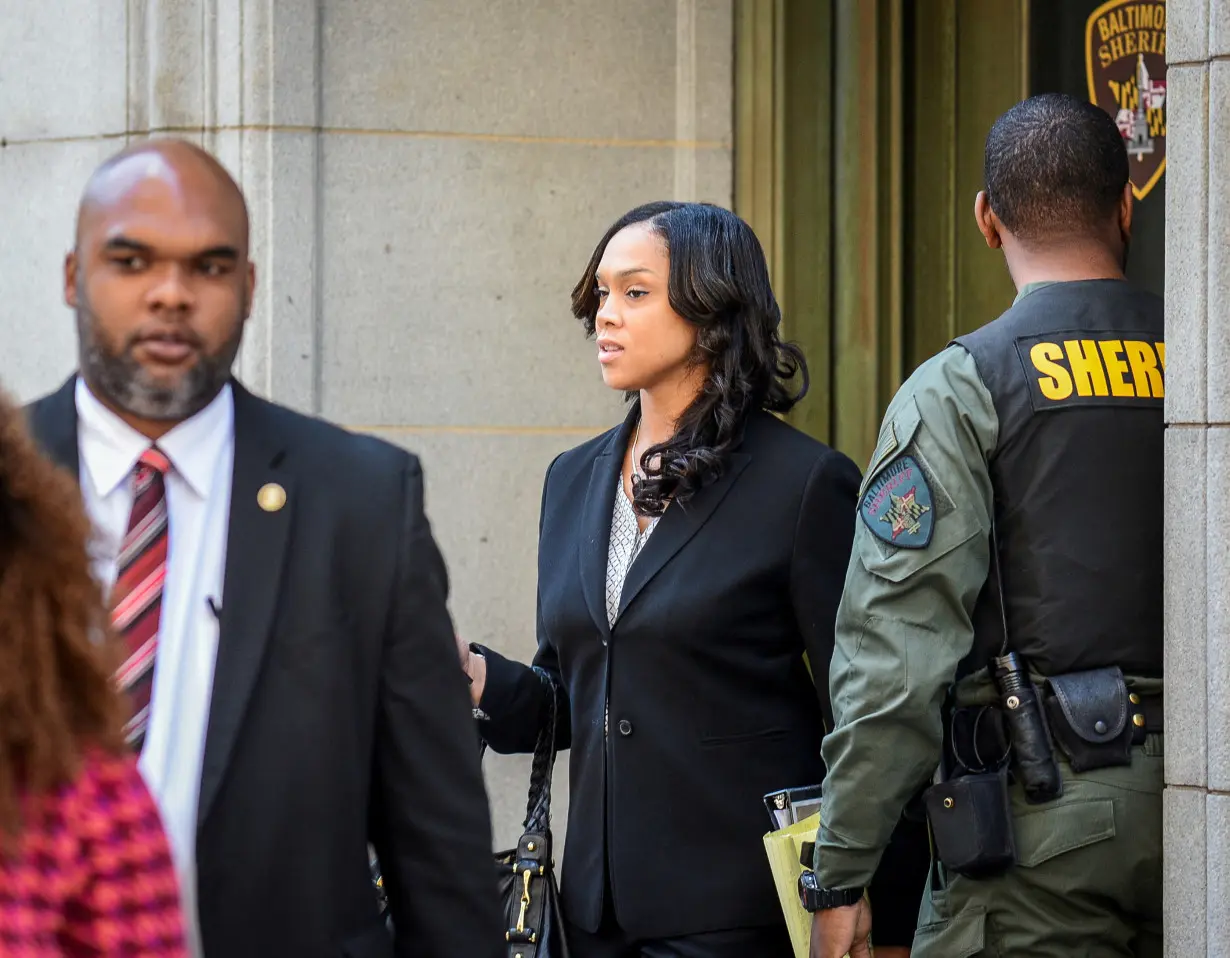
(904, 623)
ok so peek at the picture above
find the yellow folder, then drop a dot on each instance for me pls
(783, 848)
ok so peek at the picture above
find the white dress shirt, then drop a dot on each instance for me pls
(198, 489)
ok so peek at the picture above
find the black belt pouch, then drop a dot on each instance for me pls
(971, 822)
(1088, 714)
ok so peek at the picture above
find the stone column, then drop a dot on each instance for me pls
(1197, 799)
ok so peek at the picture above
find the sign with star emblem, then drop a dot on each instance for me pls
(897, 506)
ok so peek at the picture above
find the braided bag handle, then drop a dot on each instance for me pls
(538, 807)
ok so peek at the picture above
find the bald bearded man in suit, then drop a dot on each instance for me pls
(279, 596)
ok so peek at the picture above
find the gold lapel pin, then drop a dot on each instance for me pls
(271, 497)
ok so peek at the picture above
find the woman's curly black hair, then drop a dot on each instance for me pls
(718, 282)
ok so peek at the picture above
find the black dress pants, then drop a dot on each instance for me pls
(610, 941)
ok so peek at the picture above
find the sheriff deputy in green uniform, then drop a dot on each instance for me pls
(1002, 615)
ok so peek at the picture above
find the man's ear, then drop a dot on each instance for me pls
(1127, 203)
(988, 222)
(70, 279)
(249, 292)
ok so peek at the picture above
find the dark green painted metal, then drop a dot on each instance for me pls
(987, 85)
(805, 289)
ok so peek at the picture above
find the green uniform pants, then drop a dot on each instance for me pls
(1088, 882)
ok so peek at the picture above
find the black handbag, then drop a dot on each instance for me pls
(527, 873)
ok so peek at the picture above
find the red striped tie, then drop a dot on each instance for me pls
(136, 600)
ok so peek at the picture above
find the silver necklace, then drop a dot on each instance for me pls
(636, 463)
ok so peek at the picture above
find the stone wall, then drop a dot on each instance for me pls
(426, 179)
(1197, 799)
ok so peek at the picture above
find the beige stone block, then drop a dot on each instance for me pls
(58, 80)
(1184, 889)
(1187, 31)
(715, 70)
(1219, 25)
(42, 182)
(225, 35)
(483, 495)
(1218, 241)
(280, 57)
(1187, 258)
(1217, 624)
(1217, 874)
(200, 64)
(170, 65)
(446, 271)
(1186, 525)
(586, 69)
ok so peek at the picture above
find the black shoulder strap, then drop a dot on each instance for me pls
(999, 583)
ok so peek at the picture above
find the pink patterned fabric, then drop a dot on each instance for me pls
(91, 874)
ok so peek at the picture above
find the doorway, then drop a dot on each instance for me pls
(859, 133)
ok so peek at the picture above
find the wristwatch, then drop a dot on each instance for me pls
(814, 898)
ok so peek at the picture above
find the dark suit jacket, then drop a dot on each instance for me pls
(338, 713)
(711, 705)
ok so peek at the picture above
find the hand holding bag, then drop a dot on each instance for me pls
(527, 882)
(527, 872)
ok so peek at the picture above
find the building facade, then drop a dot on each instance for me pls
(427, 180)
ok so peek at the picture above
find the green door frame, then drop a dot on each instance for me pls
(859, 127)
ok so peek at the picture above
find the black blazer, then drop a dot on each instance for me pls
(338, 713)
(710, 701)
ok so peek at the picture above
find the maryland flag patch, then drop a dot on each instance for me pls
(897, 506)
(1125, 64)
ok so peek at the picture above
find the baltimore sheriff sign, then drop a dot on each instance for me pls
(1125, 62)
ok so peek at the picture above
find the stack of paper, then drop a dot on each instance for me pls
(784, 847)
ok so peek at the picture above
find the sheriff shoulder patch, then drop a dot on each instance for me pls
(897, 506)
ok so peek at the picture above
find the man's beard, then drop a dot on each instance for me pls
(122, 380)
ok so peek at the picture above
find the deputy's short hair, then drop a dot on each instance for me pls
(1054, 166)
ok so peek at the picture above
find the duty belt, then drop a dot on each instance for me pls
(1093, 718)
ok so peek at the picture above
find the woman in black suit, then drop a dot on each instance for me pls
(687, 560)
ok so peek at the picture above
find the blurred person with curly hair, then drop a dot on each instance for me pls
(85, 868)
